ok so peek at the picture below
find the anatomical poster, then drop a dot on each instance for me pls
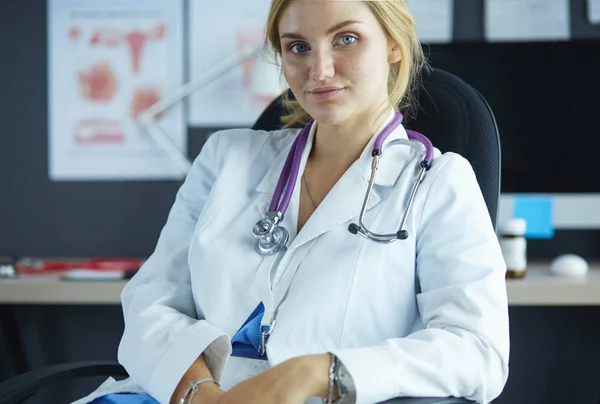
(109, 60)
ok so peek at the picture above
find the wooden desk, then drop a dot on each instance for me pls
(50, 289)
(541, 288)
(538, 288)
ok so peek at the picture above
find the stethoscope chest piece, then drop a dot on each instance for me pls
(265, 226)
(274, 242)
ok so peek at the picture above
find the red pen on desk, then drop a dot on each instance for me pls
(97, 268)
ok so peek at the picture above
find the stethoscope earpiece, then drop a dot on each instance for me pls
(353, 228)
(402, 235)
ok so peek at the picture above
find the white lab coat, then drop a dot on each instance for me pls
(426, 316)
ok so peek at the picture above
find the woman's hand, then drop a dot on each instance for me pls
(291, 382)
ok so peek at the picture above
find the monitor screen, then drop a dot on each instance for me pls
(546, 99)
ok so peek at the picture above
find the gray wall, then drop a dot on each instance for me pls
(555, 351)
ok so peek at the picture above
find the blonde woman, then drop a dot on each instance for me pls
(221, 313)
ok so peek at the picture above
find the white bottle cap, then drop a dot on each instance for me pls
(514, 227)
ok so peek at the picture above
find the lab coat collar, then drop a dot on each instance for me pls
(344, 201)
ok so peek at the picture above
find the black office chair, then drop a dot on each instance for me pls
(452, 114)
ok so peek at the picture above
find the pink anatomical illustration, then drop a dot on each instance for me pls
(98, 83)
(74, 33)
(143, 98)
(248, 39)
(99, 131)
(136, 40)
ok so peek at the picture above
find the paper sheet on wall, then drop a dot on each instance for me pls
(435, 19)
(217, 31)
(108, 61)
(527, 20)
(593, 11)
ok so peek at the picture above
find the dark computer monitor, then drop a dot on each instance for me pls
(546, 98)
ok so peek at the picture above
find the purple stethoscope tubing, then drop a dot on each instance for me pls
(290, 170)
(266, 228)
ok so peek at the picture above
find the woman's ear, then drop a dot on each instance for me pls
(394, 54)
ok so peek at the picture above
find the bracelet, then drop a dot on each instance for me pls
(344, 383)
(193, 388)
(330, 399)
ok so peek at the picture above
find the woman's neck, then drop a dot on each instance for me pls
(341, 145)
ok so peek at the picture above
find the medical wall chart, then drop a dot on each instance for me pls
(108, 61)
(218, 30)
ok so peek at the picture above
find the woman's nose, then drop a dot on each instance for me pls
(322, 66)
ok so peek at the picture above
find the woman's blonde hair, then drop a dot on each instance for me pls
(400, 28)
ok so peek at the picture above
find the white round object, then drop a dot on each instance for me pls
(569, 265)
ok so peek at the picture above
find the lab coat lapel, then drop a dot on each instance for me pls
(341, 204)
(269, 181)
(344, 202)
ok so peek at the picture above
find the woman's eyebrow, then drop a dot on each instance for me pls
(330, 31)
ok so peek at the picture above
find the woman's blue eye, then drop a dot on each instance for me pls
(298, 48)
(344, 40)
(347, 39)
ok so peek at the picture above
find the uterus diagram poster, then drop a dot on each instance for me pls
(109, 60)
(218, 30)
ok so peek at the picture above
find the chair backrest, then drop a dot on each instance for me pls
(455, 117)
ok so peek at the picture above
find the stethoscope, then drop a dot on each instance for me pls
(272, 237)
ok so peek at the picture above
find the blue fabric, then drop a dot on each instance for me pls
(125, 398)
(249, 333)
(246, 341)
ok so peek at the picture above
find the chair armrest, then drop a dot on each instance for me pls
(20, 387)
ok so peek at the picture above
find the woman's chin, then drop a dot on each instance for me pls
(329, 115)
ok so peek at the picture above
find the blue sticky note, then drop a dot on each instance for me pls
(537, 211)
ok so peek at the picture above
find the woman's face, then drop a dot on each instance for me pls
(335, 58)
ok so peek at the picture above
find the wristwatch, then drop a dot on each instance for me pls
(344, 383)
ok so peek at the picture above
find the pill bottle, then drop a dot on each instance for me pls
(514, 247)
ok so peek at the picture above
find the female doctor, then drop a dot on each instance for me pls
(334, 315)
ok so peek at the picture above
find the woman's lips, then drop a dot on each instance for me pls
(326, 93)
